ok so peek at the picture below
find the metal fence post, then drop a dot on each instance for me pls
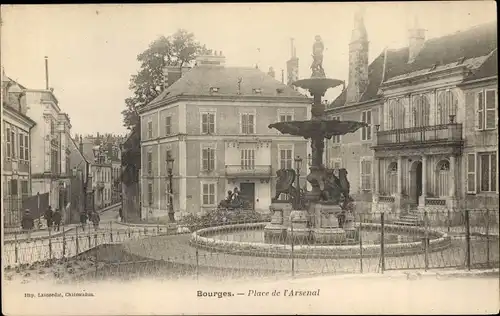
(16, 247)
(63, 242)
(88, 237)
(360, 237)
(382, 241)
(76, 241)
(50, 243)
(449, 220)
(426, 239)
(488, 238)
(467, 239)
(197, 264)
(111, 231)
(293, 242)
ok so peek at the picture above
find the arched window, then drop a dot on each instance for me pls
(392, 178)
(395, 115)
(442, 178)
(447, 104)
(420, 110)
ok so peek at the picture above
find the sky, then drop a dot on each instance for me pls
(92, 48)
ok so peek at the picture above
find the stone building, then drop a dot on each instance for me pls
(431, 107)
(16, 166)
(214, 122)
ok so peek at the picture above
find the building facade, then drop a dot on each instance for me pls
(431, 107)
(16, 144)
(214, 122)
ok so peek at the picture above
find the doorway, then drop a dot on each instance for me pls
(247, 193)
(416, 181)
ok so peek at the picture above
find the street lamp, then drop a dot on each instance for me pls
(170, 166)
(298, 163)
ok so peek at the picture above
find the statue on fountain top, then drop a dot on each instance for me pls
(317, 64)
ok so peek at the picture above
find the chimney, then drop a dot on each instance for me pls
(358, 60)
(416, 41)
(211, 60)
(81, 144)
(46, 73)
(271, 72)
(292, 65)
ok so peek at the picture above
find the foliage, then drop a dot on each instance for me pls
(222, 216)
(180, 49)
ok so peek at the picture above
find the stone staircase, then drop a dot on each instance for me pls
(411, 218)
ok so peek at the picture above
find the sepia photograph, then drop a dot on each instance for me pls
(250, 158)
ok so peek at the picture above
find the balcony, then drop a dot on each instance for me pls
(248, 172)
(444, 136)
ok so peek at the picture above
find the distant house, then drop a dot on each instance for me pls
(213, 120)
(16, 144)
(432, 142)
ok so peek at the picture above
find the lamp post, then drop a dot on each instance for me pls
(170, 166)
(298, 162)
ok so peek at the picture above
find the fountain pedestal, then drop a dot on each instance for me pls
(326, 227)
(299, 230)
(276, 230)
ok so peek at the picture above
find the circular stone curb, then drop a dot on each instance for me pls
(200, 239)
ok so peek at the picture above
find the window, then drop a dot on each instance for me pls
(247, 123)
(471, 173)
(24, 189)
(442, 174)
(488, 172)
(395, 115)
(392, 178)
(13, 187)
(55, 161)
(208, 123)
(168, 125)
(247, 159)
(366, 175)
(420, 111)
(335, 163)
(366, 117)
(286, 159)
(447, 105)
(486, 109)
(150, 129)
(149, 162)
(150, 193)
(27, 149)
(336, 139)
(13, 143)
(285, 116)
(208, 194)
(208, 159)
(8, 142)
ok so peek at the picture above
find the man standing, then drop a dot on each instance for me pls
(27, 223)
(57, 219)
(95, 218)
(48, 217)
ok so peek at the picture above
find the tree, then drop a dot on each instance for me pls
(180, 49)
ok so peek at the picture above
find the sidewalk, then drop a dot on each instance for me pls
(11, 237)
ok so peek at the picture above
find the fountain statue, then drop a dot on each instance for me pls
(324, 214)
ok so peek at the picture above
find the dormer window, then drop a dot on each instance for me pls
(214, 89)
(257, 91)
(433, 67)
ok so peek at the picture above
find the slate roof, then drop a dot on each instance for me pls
(469, 47)
(488, 69)
(199, 80)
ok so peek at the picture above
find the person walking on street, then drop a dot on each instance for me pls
(48, 217)
(83, 219)
(120, 213)
(27, 223)
(95, 218)
(57, 220)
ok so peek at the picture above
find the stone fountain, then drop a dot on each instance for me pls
(313, 217)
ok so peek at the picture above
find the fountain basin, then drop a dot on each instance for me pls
(209, 239)
(325, 128)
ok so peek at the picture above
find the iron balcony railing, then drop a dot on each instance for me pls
(444, 132)
(248, 171)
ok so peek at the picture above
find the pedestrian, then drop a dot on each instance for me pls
(120, 213)
(57, 219)
(48, 217)
(95, 218)
(27, 223)
(83, 219)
